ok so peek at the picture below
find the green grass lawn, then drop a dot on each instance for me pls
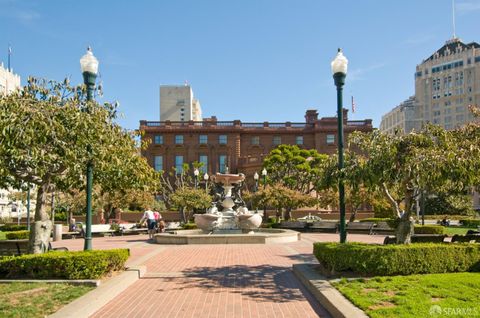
(2, 236)
(452, 230)
(414, 296)
(36, 299)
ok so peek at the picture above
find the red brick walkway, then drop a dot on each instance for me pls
(216, 280)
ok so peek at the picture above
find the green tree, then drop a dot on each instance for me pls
(45, 129)
(284, 200)
(295, 168)
(432, 159)
(186, 199)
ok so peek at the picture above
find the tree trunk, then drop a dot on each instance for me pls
(278, 215)
(405, 227)
(288, 214)
(404, 230)
(353, 215)
(42, 227)
(182, 215)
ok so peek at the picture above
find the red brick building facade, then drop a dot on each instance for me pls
(239, 146)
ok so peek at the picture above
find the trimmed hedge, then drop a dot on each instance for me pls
(17, 235)
(64, 265)
(470, 222)
(376, 220)
(429, 229)
(12, 228)
(387, 260)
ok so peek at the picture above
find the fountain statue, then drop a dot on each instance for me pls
(228, 212)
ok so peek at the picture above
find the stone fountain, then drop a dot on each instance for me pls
(228, 213)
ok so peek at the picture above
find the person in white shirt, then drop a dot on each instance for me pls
(149, 216)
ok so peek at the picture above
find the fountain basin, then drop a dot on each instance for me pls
(258, 236)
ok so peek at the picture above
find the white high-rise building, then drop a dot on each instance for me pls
(9, 81)
(400, 119)
(177, 103)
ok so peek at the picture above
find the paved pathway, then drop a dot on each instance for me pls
(215, 280)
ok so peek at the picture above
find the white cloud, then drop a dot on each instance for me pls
(358, 74)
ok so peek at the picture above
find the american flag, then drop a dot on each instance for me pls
(353, 105)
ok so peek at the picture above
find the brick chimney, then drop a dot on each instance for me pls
(311, 116)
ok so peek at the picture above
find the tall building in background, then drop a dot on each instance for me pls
(9, 81)
(446, 83)
(177, 103)
(401, 118)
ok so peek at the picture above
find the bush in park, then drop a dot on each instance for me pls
(12, 228)
(421, 258)
(17, 235)
(64, 265)
(470, 222)
(429, 229)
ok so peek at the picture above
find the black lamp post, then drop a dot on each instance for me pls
(196, 173)
(264, 174)
(339, 70)
(89, 66)
(255, 177)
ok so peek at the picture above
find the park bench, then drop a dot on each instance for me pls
(102, 230)
(294, 225)
(382, 228)
(20, 247)
(67, 234)
(142, 230)
(360, 227)
(324, 226)
(466, 238)
(418, 238)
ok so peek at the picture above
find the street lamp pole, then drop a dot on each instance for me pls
(196, 173)
(264, 174)
(339, 70)
(255, 177)
(89, 66)
(205, 177)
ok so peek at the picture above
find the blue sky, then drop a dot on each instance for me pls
(253, 60)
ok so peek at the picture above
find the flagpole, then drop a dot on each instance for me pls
(9, 54)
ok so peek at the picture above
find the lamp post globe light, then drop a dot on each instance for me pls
(89, 67)
(196, 173)
(339, 70)
(255, 177)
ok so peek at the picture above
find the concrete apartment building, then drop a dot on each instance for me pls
(240, 146)
(177, 103)
(401, 119)
(446, 83)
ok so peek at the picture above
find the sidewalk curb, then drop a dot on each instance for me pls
(329, 297)
(91, 302)
(77, 282)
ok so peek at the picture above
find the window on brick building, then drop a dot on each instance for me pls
(158, 140)
(299, 140)
(179, 164)
(179, 139)
(277, 140)
(158, 163)
(330, 139)
(222, 163)
(203, 159)
(222, 139)
(255, 140)
(203, 139)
